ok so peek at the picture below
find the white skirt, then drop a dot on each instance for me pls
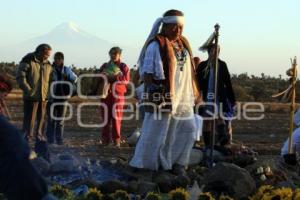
(164, 142)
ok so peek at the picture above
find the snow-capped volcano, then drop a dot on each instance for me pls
(70, 32)
(80, 47)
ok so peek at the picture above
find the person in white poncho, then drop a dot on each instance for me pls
(167, 69)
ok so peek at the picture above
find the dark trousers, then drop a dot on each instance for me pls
(18, 178)
(34, 119)
(55, 127)
(223, 132)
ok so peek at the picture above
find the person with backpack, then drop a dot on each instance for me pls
(63, 87)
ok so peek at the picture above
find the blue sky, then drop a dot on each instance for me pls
(256, 36)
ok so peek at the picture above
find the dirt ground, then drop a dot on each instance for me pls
(265, 136)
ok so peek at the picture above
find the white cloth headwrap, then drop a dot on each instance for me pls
(155, 30)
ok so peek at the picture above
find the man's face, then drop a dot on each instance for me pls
(58, 61)
(115, 56)
(212, 52)
(46, 54)
(173, 31)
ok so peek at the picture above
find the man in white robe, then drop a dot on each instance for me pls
(168, 137)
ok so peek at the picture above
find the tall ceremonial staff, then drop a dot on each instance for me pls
(293, 99)
(216, 68)
(214, 39)
(289, 94)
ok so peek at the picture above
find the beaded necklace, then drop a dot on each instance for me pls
(180, 54)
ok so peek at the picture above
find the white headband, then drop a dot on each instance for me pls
(173, 20)
(155, 30)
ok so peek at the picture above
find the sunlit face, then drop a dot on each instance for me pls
(58, 61)
(115, 56)
(46, 54)
(173, 31)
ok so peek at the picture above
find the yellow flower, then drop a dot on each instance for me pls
(61, 192)
(153, 196)
(297, 194)
(179, 194)
(206, 196)
(267, 192)
(284, 193)
(262, 193)
(121, 195)
(225, 198)
(93, 194)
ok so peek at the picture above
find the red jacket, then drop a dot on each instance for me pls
(124, 78)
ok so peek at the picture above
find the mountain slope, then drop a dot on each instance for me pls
(80, 47)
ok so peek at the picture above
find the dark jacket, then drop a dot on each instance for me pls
(34, 78)
(63, 89)
(225, 91)
(18, 177)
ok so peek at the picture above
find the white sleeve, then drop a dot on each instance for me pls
(153, 62)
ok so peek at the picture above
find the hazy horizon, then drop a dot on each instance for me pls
(256, 37)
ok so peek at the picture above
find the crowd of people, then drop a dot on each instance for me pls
(173, 84)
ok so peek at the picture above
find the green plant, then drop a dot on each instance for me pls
(179, 194)
(121, 195)
(153, 196)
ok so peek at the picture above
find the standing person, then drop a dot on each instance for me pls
(34, 77)
(5, 89)
(118, 75)
(167, 69)
(225, 97)
(55, 127)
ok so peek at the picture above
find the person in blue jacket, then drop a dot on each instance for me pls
(56, 107)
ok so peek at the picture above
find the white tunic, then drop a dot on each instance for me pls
(168, 140)
(183, 100)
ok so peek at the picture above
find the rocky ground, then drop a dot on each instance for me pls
(82, 161)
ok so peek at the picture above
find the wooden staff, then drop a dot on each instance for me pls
(292, 107)
(216, 70)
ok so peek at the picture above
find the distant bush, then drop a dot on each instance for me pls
(247, 88)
